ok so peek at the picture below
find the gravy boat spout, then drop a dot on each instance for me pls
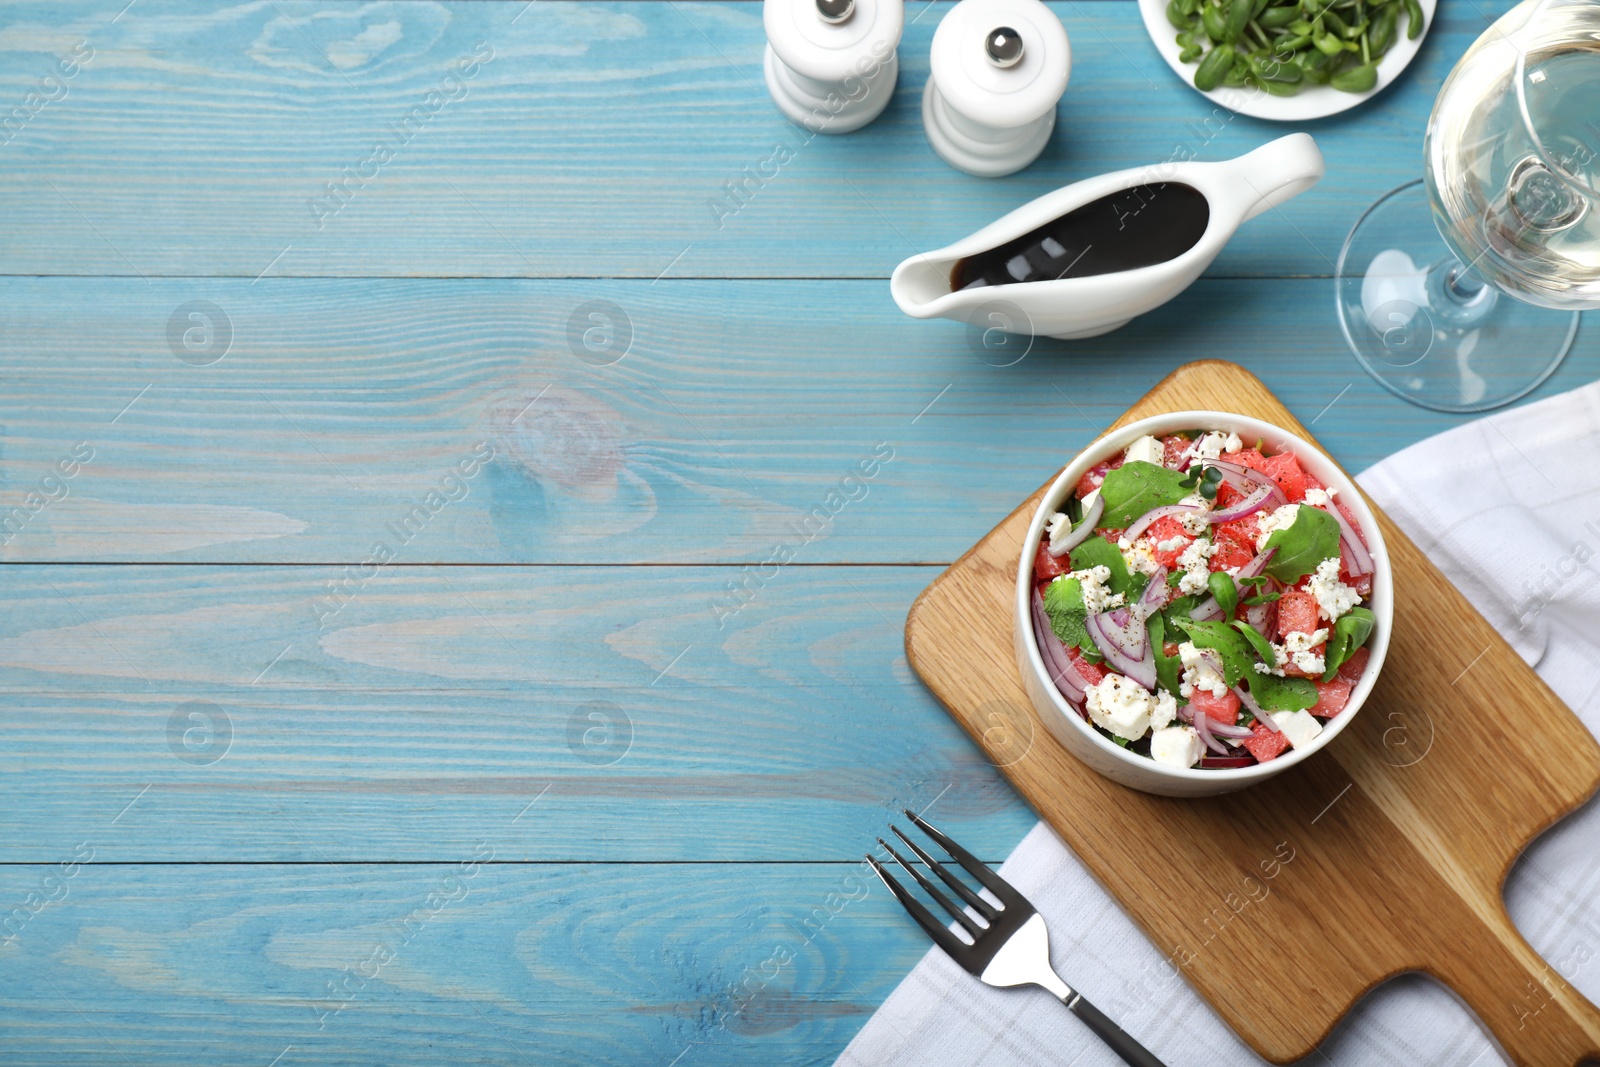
(1087, 258)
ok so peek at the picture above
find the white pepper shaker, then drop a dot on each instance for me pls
(831, 64)
(999, 68)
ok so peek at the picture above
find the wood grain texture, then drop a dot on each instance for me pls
(503, 964)
(599, 140)
(638, 722)
(1397, 861)
(736, 411)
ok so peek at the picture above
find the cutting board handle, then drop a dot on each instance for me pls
(1532, 1011)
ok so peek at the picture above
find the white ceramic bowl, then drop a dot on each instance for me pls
(1141, 772)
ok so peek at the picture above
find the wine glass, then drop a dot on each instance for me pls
(1477, 309)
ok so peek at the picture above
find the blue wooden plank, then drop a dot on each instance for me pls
(738, 410)
(465, 962)
(207, 713)
(600, 139)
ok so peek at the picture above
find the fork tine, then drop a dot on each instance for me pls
(932, 927)
(944, 902)
(981, 906)
(991, 881)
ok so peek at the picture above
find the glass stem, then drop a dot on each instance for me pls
(1460, 297)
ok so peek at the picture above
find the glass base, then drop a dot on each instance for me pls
(1426, 328)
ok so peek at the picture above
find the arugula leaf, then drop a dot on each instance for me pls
(1134, 488)
(1312, 538)
(1227, 593)
(1098, 552)
(1177, 609)
(1260, 579)
(1262, 646)
(1063, 604)
(1264, 598)
(1282, 694)
(1169, 670)
(1238, 658)
(1349, 634)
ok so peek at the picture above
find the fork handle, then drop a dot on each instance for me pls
(1115, 1037)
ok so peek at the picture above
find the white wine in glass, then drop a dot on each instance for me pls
(1476, 308)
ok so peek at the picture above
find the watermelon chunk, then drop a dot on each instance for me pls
(1046, 567)
(1331, 697)
(1093, 673)
(1263, 744)
(1297, 613)
(1167, 528)
(1284, 469)
(1223, 709)
(1236, 542)
(1350, 670)
(1247, 457)
(1173, 449)
(1095, 476)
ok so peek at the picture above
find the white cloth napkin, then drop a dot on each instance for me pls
(1509, 509)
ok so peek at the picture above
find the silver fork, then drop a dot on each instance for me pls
(1010, 948)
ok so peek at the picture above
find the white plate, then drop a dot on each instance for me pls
(1313, 102)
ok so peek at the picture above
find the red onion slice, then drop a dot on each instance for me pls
(1247, 480)
(1238, 475)
(1208, 610)
(1244, 508)
(1350, 542)
(1255, 709)
(1057, 663)
(1226, 762)
(1143, 522)
(1079, 533)
(1156, 594)
(1202, 727)
(1225, 731)
(1264, 617)
(1125, 651)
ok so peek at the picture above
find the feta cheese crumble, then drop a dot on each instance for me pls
(1300, 727)
(1194, 522)
(1140, 559)
(1120, 705)
(1164, 710)
(1279, 519)
(1193, 561)
(1176, 746)
(1145, 450)
(1334, 598)
(1096, 597)
(1320, 498)
(1301, 650)
(1199, 671)
(1213, 444)
(1058, 525)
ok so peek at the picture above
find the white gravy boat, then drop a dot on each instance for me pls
(1091, 304)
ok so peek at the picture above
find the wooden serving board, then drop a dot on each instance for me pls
(1401, 832)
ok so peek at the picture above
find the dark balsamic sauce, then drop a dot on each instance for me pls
(1136, 227)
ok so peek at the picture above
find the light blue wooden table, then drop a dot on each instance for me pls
(349, 562)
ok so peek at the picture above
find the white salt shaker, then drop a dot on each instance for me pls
(999, 68)
(830, 64)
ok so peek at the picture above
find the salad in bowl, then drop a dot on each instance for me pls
(1205, 598)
